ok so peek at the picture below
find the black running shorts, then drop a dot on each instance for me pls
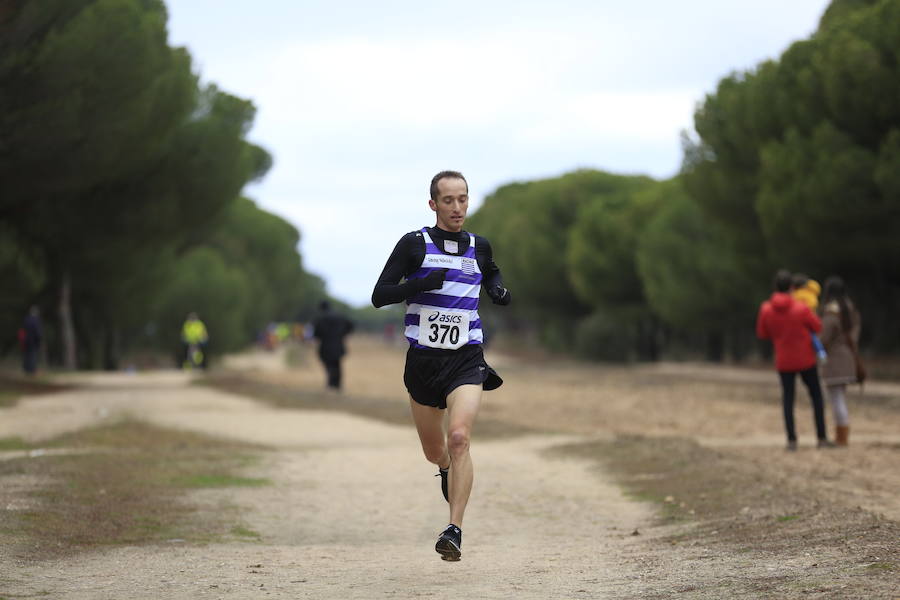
(430, 375)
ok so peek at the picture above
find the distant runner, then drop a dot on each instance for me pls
(330, 329)
(444, 269)
(194, 338)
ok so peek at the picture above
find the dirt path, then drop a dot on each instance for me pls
(352, 514)
(354, 509)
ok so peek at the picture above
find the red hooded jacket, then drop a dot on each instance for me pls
(788, 323)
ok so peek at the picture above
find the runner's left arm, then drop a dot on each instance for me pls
(492, 280)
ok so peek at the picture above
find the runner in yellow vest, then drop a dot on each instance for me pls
(194, 338)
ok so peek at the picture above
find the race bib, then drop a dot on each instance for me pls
(439, 328)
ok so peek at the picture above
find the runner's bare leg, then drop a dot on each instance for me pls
(430, 427)
(462, 408)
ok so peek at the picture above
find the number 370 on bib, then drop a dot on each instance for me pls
(447, 329)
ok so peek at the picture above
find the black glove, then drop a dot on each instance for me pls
(500, 295)
(433, 281)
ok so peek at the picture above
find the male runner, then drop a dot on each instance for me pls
(444, 269)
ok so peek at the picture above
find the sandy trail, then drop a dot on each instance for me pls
(353, 511)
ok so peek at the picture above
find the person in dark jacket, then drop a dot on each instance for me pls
(32, 335)
(787, 322)
(330, 329)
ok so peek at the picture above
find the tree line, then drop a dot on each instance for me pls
(120, 189)
(121, 206)
(794, 164)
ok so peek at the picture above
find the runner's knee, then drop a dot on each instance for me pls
(434, 453)
(458, 441)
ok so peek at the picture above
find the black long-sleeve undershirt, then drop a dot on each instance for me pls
(408, 255)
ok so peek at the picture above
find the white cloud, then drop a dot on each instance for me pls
(651, 117)
(422, 84)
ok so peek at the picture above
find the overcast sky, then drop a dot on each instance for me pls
(361, 102)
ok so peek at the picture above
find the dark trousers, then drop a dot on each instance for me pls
(333, 369)
(30, 360)
(810, 379)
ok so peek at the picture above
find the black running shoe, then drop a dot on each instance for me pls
(442, 473)
(449, 543)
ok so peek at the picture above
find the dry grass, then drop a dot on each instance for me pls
(731, 506)
(123, 484)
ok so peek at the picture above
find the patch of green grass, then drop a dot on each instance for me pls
(204, 480)
(881, 566)
(8, 399)
(13, 443)
(643, 496)
(126, 486)
(784, 518)
(241, 531)
(669, 511)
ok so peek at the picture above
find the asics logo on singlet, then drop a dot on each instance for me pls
(444, 318)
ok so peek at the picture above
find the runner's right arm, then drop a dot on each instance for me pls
(407, 256)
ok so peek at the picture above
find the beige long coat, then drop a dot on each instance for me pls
(840, 366)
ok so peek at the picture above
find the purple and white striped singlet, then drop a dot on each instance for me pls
(447, 317)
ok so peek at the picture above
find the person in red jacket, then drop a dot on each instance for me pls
(788, 322)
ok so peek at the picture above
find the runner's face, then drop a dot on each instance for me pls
(451, 204)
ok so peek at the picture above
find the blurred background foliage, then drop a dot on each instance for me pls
(794, 164)
(120, 190)
(121, 206)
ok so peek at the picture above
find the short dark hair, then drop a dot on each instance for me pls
(798, 280)
(782, 281)
(445, 175)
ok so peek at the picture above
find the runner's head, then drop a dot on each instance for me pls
(449, 199)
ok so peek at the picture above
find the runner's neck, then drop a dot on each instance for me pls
(461, 237)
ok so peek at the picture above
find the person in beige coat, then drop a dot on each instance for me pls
(841, 323)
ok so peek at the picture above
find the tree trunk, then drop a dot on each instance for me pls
(715, 346)
(648, 343)
(65, 324)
